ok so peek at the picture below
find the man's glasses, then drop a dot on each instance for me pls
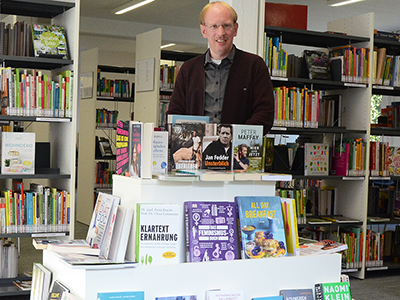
(226, 27)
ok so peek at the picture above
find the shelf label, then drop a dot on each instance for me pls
(279, 78)
(354, 84)
(45, 234)
(279, 128)
(383, 87)
(353, 178)
(39, 119)
(377, 268)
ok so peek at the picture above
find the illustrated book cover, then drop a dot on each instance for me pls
(159, 234)
(217, 147)
(187, 119)
(160, 152)
(294, 294)
(99, 222)
(334, 290)
(322, 247)
(122, 147)
(185, 146)
(316, 159)
(49, 41)
(261, 226)
(247, 148)
(140, 149)
(18, 153)
(137, 295)
(210, 231)
(317, 63)
(290, 224)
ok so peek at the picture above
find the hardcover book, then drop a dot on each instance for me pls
(18, 153)
(140, 149)
(340, 159)
(159, 234)
(172, 119)
(316, 159)
(317, 63)
(160, 152)
(247, 148)
(217, 147)
(334, 290)
(297, 294)
(394, 161)
(137, 295)
(100, 221)
(210, 230)
(185, 146)
(49, 41)
(261, 227)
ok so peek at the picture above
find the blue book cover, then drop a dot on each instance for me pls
(137, 295)
(261, 226)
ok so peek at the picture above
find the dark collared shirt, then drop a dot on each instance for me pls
(216, 76)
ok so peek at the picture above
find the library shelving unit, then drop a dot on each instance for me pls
(351, 192)
(88, 129)
(194, 278)
(59, 132)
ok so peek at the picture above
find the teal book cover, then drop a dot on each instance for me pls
(137, 295)
(261, 226)
(279, 297)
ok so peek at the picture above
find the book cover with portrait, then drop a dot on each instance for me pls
(217, 147)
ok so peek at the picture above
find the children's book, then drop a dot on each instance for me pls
(290, 224)
(210, 230)
(18, 153)
(261, 227)
(292, 294)
(322, 247)
(100, 221)
(185, 146)
(122, 147)
(316, 159)
(137, 295)
(334, 290)
(217, 147)
(159, 234)
(247, 148)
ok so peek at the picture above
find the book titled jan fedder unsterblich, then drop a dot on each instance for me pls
(18, 153)
(211, 231)
(159, 234)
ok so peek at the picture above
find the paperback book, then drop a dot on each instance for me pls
(247, 148)
(120, 236)
(317, 63)
(322, 247)
(58, 290)
(290, 224)
(159, 234)
(49, 41)
(261, 227)
(210, 230)
(217, 147)
(189, 297)
(18, 153)
(160, 152)
(334, 290)
(316, 159)
(41, 279)
(140, 149)
(137, 295)
(122, 147)
(297, 294)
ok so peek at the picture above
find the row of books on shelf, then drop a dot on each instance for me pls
(26, 92)
(346, 63)
(387, 68)
(168, 76)
(163, 108)
(390, 116)
(113, 87)
(39, 209)
(106, 118)
(103, 175)
(304, 108)
(23, 39)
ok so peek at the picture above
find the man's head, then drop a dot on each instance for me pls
(242, 150)
(225, 134)
(218, 24)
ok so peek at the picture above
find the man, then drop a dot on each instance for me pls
(217, 155)
(240, 160)
(226, 84)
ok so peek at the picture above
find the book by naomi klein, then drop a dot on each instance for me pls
(159, 234)
(261, 226)
(334, 290)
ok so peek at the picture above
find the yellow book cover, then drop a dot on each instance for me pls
(290, 225)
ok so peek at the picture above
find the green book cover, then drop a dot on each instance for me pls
(334, 290)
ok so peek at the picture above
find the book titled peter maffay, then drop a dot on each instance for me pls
(18, 153)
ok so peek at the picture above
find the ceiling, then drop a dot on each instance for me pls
(183, 15)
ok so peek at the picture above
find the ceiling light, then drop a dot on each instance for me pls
(341, 2)
(130, 6)
(167, 45)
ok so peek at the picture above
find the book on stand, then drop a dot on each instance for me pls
(137, 295)
(120, 236)
(122, 147)
(58, 290)
(49, 41)
(291, 294)
(211, 231)
(41, 280)
(159, 234)
(333, 290)
(140, 149)
(261, 227)
(160, 153)
(290, 225)
(18, 153)
(317, 63)
(316, 159)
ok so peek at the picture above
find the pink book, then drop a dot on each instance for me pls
(340, 159)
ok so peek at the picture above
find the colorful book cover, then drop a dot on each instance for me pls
(122, 147)
(99, 223)
(297, 294)
(261, 227)
(137, 295)
(135, 148)
(334, 290)
(290, 224)
(394, 161)
(187, 119)
(185, 146)
(217, 147)
(18, 153)
(49, 41)
(340, 159)
(322, 247)
(316, 160)
(317, 63)
(210, 230)
(159, 234)
(247, 148)
(160, 152)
